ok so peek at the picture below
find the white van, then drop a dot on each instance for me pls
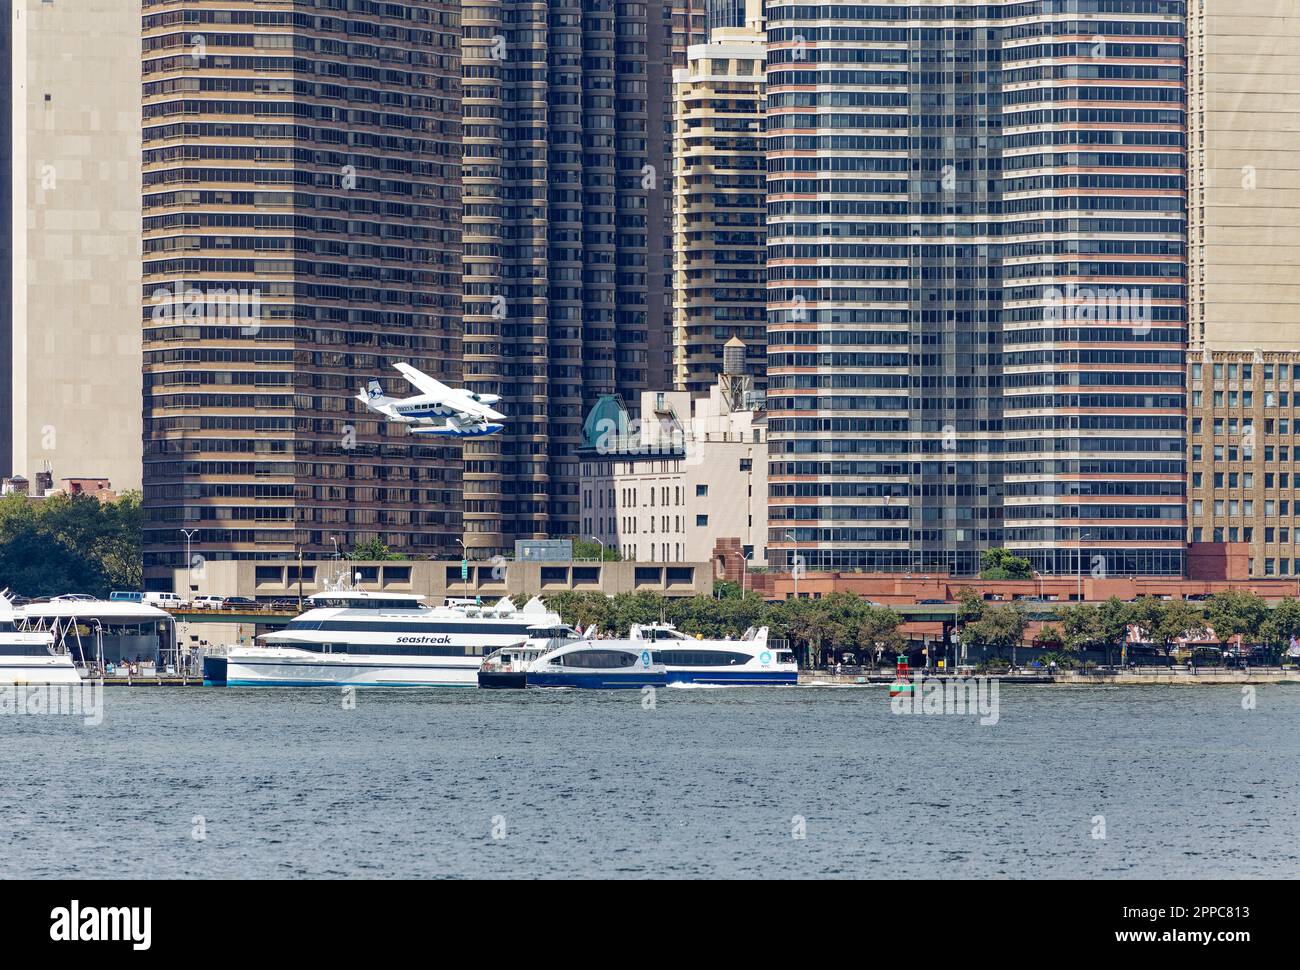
(166, 601)
(209, 601)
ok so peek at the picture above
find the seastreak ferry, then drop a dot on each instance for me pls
(363, 638)
(30, 658)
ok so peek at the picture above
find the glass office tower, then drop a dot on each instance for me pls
(567, 201)
(976, 274)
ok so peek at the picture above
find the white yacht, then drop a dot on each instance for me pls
(30, 658)
(373, 639)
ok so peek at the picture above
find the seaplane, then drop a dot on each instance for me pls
(438, 410)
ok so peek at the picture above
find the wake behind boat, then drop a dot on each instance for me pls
(361, 638)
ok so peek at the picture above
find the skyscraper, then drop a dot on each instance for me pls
(719, 210)
(566, 208)
(70, 225)
(977, 284)
(1244, 273)
(302, 234)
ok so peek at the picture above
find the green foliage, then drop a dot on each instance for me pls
(840, 620)
(591, 549)
(1164, 621)
(1283, 623)
(725, 589)
(71, 544)
(1237, 611)
(998, 563)
(1065, 660)
(971, 605)
(1001, 627)
(372, 550)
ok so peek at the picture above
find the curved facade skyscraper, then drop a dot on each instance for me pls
(977, 284)
(302, 234)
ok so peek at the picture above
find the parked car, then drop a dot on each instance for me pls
(126, 596)
(72, 597)
(241, 603)
(209, 601)
(167, 601)
(931, 602)
(289, 605)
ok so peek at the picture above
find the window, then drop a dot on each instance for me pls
(701, 521)
(597, 659)
(701, 491)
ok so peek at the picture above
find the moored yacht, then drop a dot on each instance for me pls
(363, 638)
(30, 658)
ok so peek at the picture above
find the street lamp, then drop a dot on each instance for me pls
(744, 573)
(602, 547)
(464, 569)
(189, 534)
(1078, 563)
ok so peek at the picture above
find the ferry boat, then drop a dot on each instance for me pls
(655, 654)
(362, 638)
(507, 668)
(748, 661)
(30, 657)
(597, 664)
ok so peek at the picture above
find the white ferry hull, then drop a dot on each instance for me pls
(16, 671)
(253, 667)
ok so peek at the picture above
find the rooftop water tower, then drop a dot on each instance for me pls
(735, 374)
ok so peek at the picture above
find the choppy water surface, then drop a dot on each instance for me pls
(709, 783)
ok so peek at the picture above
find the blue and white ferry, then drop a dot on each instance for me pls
(749, 661)
(598, 665)
(656, 655)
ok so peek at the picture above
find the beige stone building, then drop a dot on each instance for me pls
(719, 205)
(692, 473)
(1244, 277)
(72, 320)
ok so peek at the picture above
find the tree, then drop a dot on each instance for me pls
(372, 550)
(591, 549)
(1165, 621)
(725, 589)
(1113, 618)
(1283, 623)
(70, 544)
(970, 604)
(877, 631)
(1237, 611)
(1001, 627)
(998, 563)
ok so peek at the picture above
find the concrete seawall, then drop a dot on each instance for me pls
(1149, 677)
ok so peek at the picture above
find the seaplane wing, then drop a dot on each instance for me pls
(462, 401)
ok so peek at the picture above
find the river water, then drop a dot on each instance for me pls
(1155, 782)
